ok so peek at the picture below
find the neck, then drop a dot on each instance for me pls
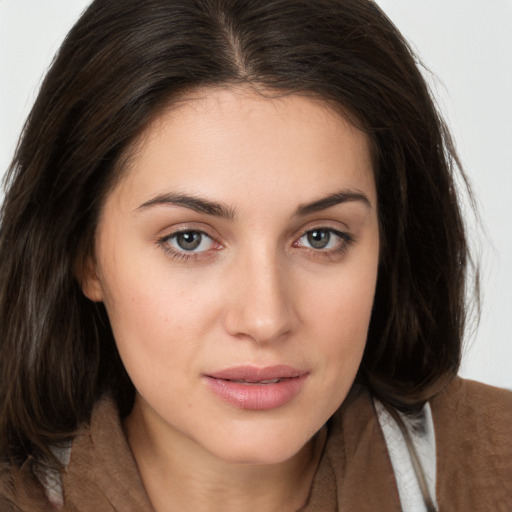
(180, 476)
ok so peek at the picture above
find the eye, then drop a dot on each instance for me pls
(324, 239)
(188, 242)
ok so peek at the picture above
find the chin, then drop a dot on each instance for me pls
(257, 458)
(257, 448)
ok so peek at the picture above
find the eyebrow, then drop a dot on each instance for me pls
(342, 196)
(197, 204)
(216, 209)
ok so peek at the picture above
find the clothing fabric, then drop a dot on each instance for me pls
(473, 437)
(420, 428)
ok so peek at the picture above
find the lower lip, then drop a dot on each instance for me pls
(257, 396)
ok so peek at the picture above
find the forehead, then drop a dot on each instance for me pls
(236, 140)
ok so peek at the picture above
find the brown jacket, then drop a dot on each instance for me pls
(473, 429)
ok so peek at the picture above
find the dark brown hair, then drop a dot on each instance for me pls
(119, 66)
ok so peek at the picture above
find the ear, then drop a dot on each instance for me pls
(87, 275)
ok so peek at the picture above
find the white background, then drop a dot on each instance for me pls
(466, 44)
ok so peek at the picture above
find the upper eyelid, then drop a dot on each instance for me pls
(325, 223)
(179, 231)
(337, 230)
(341, 234)
(324, 228)
(170, 232)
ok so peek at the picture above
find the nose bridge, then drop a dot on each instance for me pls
(261, 306)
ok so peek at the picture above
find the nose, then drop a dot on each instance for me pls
(261, 305)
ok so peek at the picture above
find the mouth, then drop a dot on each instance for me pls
(248, 382)
(253, 388)
(253, 374)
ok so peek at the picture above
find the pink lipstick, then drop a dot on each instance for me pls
(249, 387)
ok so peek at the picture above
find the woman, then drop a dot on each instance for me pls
(233, 272)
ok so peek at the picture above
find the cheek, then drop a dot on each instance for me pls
(153, 331)
(161, 318)
(340, 313)
(343, 302)
(150, 310)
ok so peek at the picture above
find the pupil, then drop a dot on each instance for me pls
(189, 240)
(319, 238)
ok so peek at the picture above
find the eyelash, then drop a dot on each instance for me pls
(183, 255)
(346, 241)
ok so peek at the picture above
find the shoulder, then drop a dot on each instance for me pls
(38, 487)
(102, 473)
(20, 491)
(5, 488)
(355, 454)
(477, 407)
(473, 429)
(90, 471)
(470, 391)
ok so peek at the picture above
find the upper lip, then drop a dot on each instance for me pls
(257, 374)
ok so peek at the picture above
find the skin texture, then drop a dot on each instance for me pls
(254, 292)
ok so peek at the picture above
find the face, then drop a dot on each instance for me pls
(237, 261)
